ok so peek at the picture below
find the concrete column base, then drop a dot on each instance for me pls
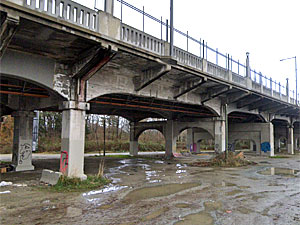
(290, 145)
(220, 138)
(133, 146)
(170, 140)
(72, 143)
(22, 142)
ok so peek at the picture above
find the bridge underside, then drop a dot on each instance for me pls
(50, 64)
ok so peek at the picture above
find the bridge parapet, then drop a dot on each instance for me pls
(142, 40)
(66, 10)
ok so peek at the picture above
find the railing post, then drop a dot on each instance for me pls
(271, 86)
(161, 28)
(171, 27)
(217, 56)
(287, 90)
(247, 65)
(261, 83)
(167, 30)
(143, 19)
(200, 47)
(109, 6)
(187, 41)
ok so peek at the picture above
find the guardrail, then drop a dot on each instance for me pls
(66, 10)
(218, 64)
(142, 40)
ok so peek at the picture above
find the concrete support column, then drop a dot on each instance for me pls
(22, 142)
(190, 139)
(109, 6)
(133, 144)
(290, 140)
(220, 138)
(170, 139)
(72, 139)
(267, 138)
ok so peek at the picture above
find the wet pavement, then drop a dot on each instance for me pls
(158, 191)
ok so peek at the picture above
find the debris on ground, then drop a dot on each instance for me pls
(50, 177)
(232, 160)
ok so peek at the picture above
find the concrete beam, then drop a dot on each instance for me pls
(189, 86)
(234, 97)
(259, 104)
(8, 29)
(251, 100)
(151, 75)
(95, 59)
(270, 106)
(215, 92)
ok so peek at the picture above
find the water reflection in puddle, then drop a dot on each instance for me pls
(279, 171)
(109, 188)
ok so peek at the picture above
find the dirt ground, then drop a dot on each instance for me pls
(158, 191)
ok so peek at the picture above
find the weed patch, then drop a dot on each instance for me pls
(66, 184)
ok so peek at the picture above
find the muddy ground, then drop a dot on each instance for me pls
(158, 191)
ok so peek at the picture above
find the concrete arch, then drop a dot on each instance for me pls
(50, 91)
(256, 117)
(38, 70)
(253, 144)
(208, 126)
(143, 126)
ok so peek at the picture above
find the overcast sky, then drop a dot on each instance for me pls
(268, 29)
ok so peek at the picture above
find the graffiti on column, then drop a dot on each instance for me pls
(63, 161)
(25, 152)
(265, 147)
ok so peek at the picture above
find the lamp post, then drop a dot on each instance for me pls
(295, 74)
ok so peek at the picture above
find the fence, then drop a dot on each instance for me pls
(67, 10)
(218, 63)
(222, 61)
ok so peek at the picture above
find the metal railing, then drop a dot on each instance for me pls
(66, 10)
(218, 64)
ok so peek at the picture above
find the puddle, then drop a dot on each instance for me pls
(73, 212)
(180, 171)
(224, 184)
(213, 205)
(157, 191)
(234, 192)
(244, 210)
(105, 206)
(155, 214)
(159, 162)
(182, 205)
(202, 218)
(109, 188)
(244, 187)
(279, 171)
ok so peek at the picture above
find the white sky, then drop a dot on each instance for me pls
(268, 29)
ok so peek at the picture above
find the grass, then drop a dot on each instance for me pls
(221, 161)
(66, 184)
(278, 157)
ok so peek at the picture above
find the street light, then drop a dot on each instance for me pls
(295, 74)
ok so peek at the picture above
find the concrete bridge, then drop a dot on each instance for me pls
(61, 56)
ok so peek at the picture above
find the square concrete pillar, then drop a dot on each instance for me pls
(267, 139)
(290, 140)
(72, 143)
(220, 138)
(133, 144)
(22, 142)
(190, 139)
(170, 139)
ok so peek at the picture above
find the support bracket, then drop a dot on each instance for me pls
(151, 75)
(8, 29)
(215, 92)
(189, 86)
